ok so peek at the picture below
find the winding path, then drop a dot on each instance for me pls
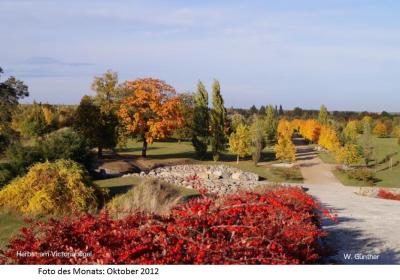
(368, 229)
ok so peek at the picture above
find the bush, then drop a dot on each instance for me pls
(388, 195)
(292, 173)
(150, 196)
(276, 227)
(50, 188)
(64, 144)
(361, 174)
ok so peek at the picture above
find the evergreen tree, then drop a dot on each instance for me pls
(253, 110)
(262, 110)
(323, 116)
(218, 121)
(280, 113)
(200, 121)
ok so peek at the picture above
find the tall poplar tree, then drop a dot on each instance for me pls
(218, 121)
(271, 124)
(200, 121)
(323, 115)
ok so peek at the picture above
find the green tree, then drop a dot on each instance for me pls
(257, 136)
(108, 92)
(98, 128)
(200, 125)
(64, 144)
(368, 145)
(218, 122)
(11, 91)
(323, 116)
(350, 132)
(271, 124)
(240, 142)
(30, 121)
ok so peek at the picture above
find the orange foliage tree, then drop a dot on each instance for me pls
(151, 110)
(380, 130)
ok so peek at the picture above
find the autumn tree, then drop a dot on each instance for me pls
(380, 130)
(236, 120)
(151, 111)
(350, 132)
(323, 116)
(328, 139)
(185, 131)
(95, 126)
(258, 138)
(285, 150)
(217, 122)
(240, 141)
(348, 154)
(200, 125)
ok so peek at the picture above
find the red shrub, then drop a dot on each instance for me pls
(277, 227)
(388, 195)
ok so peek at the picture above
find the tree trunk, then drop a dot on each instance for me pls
(144, 148)
(99, 152)
(237, 159)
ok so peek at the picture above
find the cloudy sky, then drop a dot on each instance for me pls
(342, 53)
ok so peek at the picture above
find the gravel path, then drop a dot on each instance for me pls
(368, 228)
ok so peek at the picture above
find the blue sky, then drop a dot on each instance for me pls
(342, 53)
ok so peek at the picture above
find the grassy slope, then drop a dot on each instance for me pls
(388, 178)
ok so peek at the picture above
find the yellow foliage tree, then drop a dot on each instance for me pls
(240, 142)
(50, 188)
(380, 130)
(285, 150)
(349, 154)
(285, 128)
(310, 130)
(350, 132)
(152, 111)
(328, 139)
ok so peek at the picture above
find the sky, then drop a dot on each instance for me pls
(341, 53)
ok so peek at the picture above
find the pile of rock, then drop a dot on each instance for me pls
(220, 179)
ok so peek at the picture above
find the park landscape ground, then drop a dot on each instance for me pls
(150, 176)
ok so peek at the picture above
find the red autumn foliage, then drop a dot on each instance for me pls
(388, 195)
(276, 227)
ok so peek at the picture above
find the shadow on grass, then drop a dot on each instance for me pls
(117, 190)
(133, 150)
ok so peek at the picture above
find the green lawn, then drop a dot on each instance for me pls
(386, 177)
(9, 225)
(160, 152)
